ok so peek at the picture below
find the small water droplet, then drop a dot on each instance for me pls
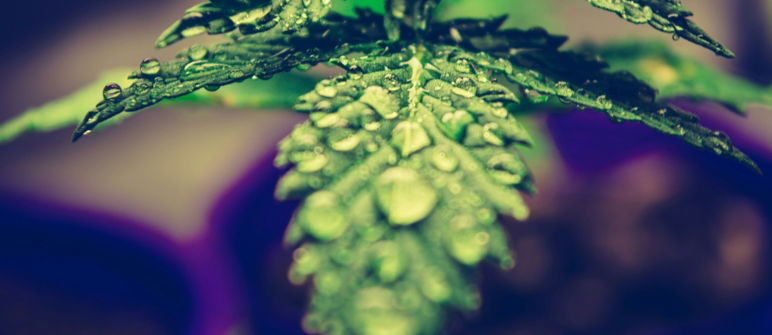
(435, 287)
(150, 67)
(444, 160)
(112, 91)
(463, 66)
(562, 89)
(197, 52)
(355, 72)
(603, 102)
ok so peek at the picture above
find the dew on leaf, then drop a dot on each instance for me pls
(150, 67)
(409, 137)
(323, 216)
(403, 196)
(112, 91)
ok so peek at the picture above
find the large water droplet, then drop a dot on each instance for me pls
(112, 91)
(404, 196)
(322, 216)
(409, 137)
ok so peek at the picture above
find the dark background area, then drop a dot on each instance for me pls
(167, 224)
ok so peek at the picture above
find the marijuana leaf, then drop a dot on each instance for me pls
(257, 56)
(404, 163)
(668, 16)
(248, 16)
(408, 159)
(68, 111)
(674, 75)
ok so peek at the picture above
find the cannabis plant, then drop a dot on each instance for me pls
(410, 158)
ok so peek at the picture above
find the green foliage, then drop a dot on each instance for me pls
(676, 76)
(668, 16)
(410, 158)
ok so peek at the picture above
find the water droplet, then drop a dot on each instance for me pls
(327, 91)
(500, 113)
(492, 134)
(391, 81)
(603, 102)
(507, 169)
(202, 69)
(462, 92)
(375, 313)
(328, 283)
(150, 67)
(383, 102)
(313, 164)
(344, 140)
(435, 287)
(463, 66)
(112, 91)
(403, 196)
(409, 137)
(454, 124)
(197, 52)
(355, 72)
(322, 216)
(444, 160)
(562, 89)
(676, 37)
(389, 261)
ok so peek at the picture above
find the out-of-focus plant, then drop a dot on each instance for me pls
(410, 157)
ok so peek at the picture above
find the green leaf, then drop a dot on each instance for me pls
(256, 56)
(405, 162)
(245, 16)
(668, 16)
(280, 92)
(65, 112)
(542, 72)
(674, 75)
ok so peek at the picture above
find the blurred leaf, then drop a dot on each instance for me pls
(668, 16)
(674, 75)
(61, 113)
(521, 14)
(68, 111)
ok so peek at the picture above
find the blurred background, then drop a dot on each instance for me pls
(166, 224)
